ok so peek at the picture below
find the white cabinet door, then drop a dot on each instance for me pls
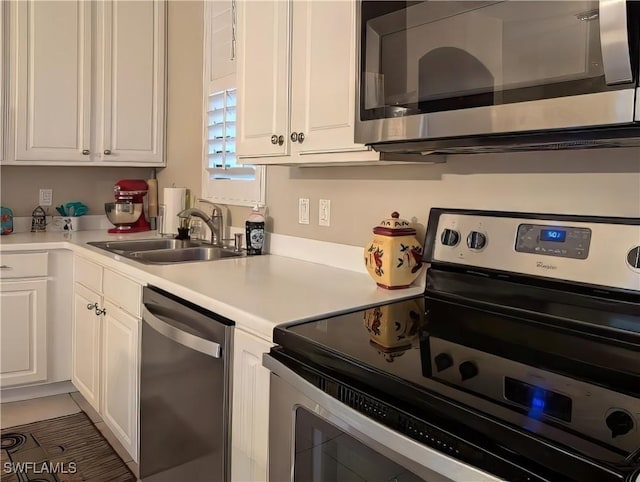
(23, 332)
(53, 81)
(120, 339)
(250, 419)
(323, 77)
(263, 78)
(3, 71)
(86, 344)
(131, 75)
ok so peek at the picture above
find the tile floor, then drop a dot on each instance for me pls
(28, 411)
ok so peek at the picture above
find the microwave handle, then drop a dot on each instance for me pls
(614, 39)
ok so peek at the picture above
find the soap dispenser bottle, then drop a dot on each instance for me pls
(254, 227)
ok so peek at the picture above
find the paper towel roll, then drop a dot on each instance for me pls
(174, 201)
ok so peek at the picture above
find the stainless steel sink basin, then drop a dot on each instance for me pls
(166, 251)
(143, 244)
(184, 255)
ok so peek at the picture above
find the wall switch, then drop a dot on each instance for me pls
(324, 212)
(303, 211)
(46, 197)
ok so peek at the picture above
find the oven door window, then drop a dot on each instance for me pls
(421, 57)
(324, 452)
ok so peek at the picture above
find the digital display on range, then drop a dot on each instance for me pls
(537, 400)
(555, 235)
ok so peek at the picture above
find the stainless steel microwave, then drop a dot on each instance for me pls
(482, 76)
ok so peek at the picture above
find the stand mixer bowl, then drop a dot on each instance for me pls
(123, 213)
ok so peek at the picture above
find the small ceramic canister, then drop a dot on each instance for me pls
(394, 257)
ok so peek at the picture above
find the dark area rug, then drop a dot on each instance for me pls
(61, 449)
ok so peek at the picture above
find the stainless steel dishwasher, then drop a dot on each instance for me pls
(184, 390)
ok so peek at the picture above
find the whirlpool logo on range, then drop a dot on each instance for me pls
(543, 265)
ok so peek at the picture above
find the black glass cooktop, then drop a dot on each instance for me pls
(520, 367)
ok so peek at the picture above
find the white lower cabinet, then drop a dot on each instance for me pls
(23, 318)
(120, 336)
(85, 373)
(23, 332)
(106, 334)
(250, 419)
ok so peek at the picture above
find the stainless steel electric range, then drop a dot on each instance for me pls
(521, 362)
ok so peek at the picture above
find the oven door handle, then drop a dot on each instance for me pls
(614, 38)
(377, 436)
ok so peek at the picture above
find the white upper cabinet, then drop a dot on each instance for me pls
(321, 71)
(263, 78)
(94, 91)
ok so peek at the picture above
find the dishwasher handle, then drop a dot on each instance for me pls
(187, 339)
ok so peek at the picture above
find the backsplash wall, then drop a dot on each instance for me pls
(596, 182)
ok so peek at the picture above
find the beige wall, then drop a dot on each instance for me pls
(184, 98)
(19, 185)
(599, 182)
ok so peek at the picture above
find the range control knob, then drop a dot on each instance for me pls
(450, 237)
(468, 370)
(476, 240)
(443, 361)
(633, 257)
(619, 422)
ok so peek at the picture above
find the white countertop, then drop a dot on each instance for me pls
(256, 292)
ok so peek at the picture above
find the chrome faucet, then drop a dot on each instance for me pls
(215, 222)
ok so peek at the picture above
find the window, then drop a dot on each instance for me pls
(224, 181)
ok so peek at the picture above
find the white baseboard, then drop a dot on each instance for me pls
(36, 391)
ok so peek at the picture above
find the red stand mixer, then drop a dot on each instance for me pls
(127, 213)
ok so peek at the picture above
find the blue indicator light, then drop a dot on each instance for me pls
(537, 403)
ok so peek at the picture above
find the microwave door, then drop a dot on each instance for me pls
(614, 38)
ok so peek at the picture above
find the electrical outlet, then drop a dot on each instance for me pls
(46, 197)
(324, 212)
(303, 211)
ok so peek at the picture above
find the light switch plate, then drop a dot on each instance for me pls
(324, 212)
(46, 197)
(303, 211)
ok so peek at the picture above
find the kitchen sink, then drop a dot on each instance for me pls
(143, 244)
(184, 255)
(166, 251)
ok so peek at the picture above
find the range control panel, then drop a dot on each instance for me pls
(563, 241)
(597, 251)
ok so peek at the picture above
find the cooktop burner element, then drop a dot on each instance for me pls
(526, 344)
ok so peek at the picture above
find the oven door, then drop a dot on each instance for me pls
(314, 437)
(440, 69)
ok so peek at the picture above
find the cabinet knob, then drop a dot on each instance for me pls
(93, 306)
(86, 152)
(107, 152)
(294, 137)
(100, 311)
(274, 139)
(280, 140)
(301, 137)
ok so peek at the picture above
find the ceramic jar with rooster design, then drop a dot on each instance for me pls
(394, 257)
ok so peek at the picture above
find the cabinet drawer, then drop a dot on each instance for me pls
(23, 265)
(122, 292)
(88, 273)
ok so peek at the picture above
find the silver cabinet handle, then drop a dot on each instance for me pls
(280, 140)
(92, 306)
(294, 137)
(99, 311)
(274, 139)
(107, 152)
(187, 339)
(86, 152)
(301, 137)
